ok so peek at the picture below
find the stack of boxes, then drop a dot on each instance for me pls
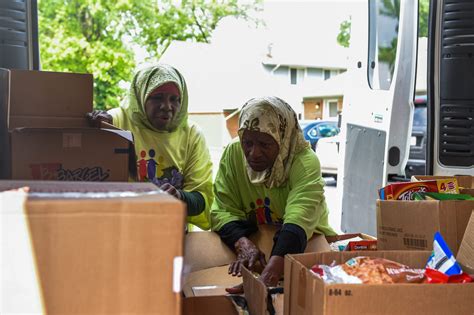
(405, 235)
(70, 242)
(44, 133)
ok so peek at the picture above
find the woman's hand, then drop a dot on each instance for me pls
(96, 116)
(273, 271)
(248, 255)
(170, 189)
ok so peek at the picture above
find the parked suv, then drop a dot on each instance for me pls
(328, 148)
(313, 130)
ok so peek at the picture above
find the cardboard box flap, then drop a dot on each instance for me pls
(411, 258)
(80, 187)
(255, 293)
(42, 94)
(49, 122)
(464, 181)
(465, 255)
(121, 133)
(209, 305)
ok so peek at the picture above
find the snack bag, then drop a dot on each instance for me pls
(405, 191)
(442, 267)
(369, 270)
(440, 196)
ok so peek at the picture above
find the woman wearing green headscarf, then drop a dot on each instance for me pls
(171, 152)
(269, 175)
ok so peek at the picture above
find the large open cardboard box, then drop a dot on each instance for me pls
(307, 294)
(44, 134)
(90, 248)
(406, 225)
(207, 259)
(260, 298)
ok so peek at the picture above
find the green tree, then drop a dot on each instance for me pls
(158, 23)
(344, 36)
(91, 35)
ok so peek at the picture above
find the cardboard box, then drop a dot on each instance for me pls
(262, 300)
(207, 259)
(205, 305)
(307, 294)
(465, 255)
(259, 297)
(44, 134)
(406, 225)
(92, 248)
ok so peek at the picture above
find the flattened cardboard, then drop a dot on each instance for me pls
(307, 294)
(466, 251)
(44, 134)
(407, 225)
(59, 188)
(215, 276)
(206, 305)
(106, 255)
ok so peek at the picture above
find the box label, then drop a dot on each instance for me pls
(55, 171)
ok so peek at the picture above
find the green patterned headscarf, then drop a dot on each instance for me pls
(144, 83)
(275, 117)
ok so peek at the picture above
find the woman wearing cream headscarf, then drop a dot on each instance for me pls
(270, 176)
(171, 152)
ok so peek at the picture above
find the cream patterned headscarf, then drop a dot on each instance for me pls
(275, 117)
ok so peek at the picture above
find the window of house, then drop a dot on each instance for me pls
(297, 75)
(330, 109)
(327, 74)
(333, 109)
(293, 76)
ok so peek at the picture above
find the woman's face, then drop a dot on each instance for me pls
(161, 107)
(260, 149)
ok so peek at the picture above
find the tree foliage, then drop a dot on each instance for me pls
(390, 7)
(95, 36)
(344, 36)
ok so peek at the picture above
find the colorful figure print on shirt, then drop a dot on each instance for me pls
(261, 213)
(151, 165)
(141, 166)
(154, 170)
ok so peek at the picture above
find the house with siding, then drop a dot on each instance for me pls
(326, 101)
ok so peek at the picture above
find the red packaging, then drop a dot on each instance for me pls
(404, 191)
(362, 245)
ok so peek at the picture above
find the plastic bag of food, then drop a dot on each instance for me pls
(442, 267)
(369, 270)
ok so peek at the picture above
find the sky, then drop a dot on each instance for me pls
(229, 71)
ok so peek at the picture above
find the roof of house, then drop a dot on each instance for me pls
(307, 56)
(335, 86)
